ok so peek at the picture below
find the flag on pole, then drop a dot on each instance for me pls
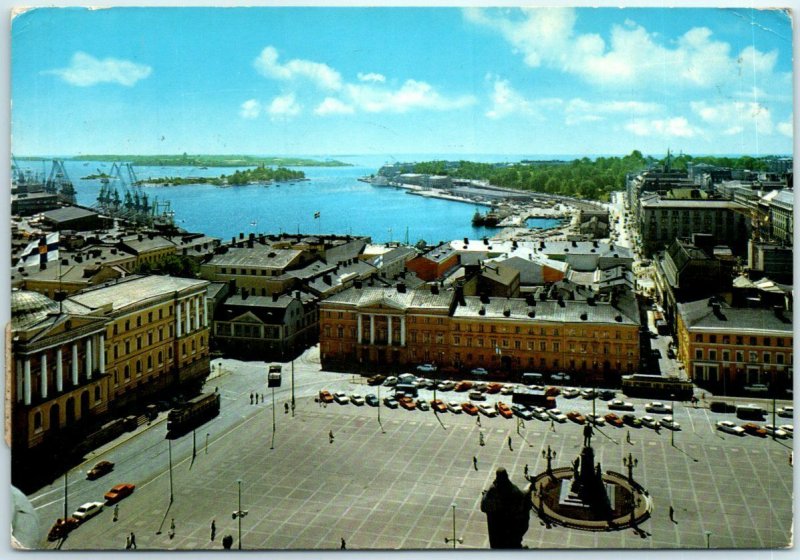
(41, 251)
(316, 215)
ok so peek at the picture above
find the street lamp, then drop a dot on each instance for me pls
(454, 540)
(238, 514)
(672, 431)
(630, 462)
(171, 496)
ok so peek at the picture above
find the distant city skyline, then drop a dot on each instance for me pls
(337, 81)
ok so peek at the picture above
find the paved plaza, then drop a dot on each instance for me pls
(394, 488)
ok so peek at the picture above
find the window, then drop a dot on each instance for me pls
(739, 356)
(712, 355)
(138, 367)
(169, 353)
(726, 355)
(183, 349)
(779, 358)
(712, 338)
(779, 341)
(139, 321)
(160, 313)
(753, 341)
(160, 358)
(739, 341)
(556, 347)
(150, 317)
(767, 341)
(542, 346)
(753, 357)
(698, 354)
(127, 325)
(127, 373)
(456, 340)
(150, 338)
(726, 339)
(517, 344)
(97, 396)
(555, 332)
(767, 358)
(698, 338)
(114, 329)
(138, 342)
(116, 352)
(37, 421)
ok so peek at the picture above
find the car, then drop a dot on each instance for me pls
(376, 379)
(552, 391)
(631, 420)
(521, 411)
(595, 419)
(589, 394)
(756, 388)
(658, 407)
(576, 417)
(651, 422)
(407, 379)
(425, 383)
(754, 429)
(777, 432)
(390, 402)
(540, 413)
(729, 427)
(462, 386)
(87, 510)
(786, 412)
(561, 376)
(476, 396)
(613, 419)
(341, 398)
(669, 423)
(570, 392)
(789, 429)
(469, 408)
(503, 410)
(101, 468)
(479, 371)
(494, 388)
(426, 368)
(357, 399)
(454, 407)
(487, 410)
(371, 399)
(721, 406)
(607, 395)
(508, 389)
(480, 386)
(439, 406)
(325, 397)
(446, 385)
(557, 415)
(119, 492)
(390, 381)
(423, 405)
(407, 403)
(618, 404)
(61, 528)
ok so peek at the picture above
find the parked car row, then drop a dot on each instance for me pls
(86, 511)
(753, 429)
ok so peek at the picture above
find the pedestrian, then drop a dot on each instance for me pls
(128, 542)
(481, 441)
(172, 528)
(330, 436)
(133, 540)
(116, 512)
(552, 425)
(251, 398)
(478, 420)
(526, 470)
(509, 444)
(672, 514)
(475, 462)
(628, 436)
(213, 529)
(286, 408)
(344, 544)
(262, 398)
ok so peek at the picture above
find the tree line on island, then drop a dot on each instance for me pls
(581, 178)
(260, 174)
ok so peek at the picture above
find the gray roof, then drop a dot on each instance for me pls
(68, 213)
(601, 248)
(699, 315)
(134, 290)
(147, 244)
(710, 204)
(391, 297)
(545, 311)
(440, 253)
(257, 256)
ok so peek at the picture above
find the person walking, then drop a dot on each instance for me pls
(552, 425)
(213, 529)
(133, 540)
(116, 512)
(251, 398)
(526, 470)
(672, 514)
(509, 444)
(344, 544)
(330, 436)
(475, 462)
(478, 421)
(628, 437)
(481, 441)
(172, 528)
(128, 542)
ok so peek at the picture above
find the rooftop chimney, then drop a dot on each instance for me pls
(327, 279)
(357, 284)
(275, 296)
(241, 235)
(435, 289)
(245, 293)
(401, 288)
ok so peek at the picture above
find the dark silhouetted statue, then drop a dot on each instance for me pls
(507, 510)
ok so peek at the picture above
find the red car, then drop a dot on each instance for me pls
(552, 391)
(62, 528)
(407, 403)
(325, 397)
(469, 408)
(119, 492)
(493, 388)
(613, 419)
(101, 468)
(462, 386)
(754, 429)
(503, 410)
(576, 417)
(438, 405)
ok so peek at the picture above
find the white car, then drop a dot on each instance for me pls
(507, 389)
(786, 412)
(669, 423)
(541, 414)
(341, 398)
(87, 510)
(446, 385)
(476, 396)
(658, 407)
(487, 410)
(557, 415)
(789, 429)
(618, 404)
(778, 432)
(596, 419)
(650, 422)
(559, 377)
(730, 427)
(390, 381)
(426, 368)
(357, 400)
(570, 393)
(454, 407)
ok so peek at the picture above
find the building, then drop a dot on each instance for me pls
(147, 248)
(768, 259)
(27, 204)
(435, 263)
(261, 269)
(781, 217)
(726, 349)
(74, 218)
(596, 338)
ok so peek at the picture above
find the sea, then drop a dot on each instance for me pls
(331, 201)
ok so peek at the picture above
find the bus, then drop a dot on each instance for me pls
(657, 387)
(750, 412)
(192, 413)
(529, 397)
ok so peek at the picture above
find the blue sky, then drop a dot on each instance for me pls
(328, 81)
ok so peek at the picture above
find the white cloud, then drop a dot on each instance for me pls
(412, 94)
(320, 74)
(86, 70)
(506, 101)
(676, 126)
(284, 107)
(250, 109)
(371, 77)
(578, 110)
(735, 116)
(786, 128)
(633, 55)
(332, 106)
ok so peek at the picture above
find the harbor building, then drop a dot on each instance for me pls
(435, 263)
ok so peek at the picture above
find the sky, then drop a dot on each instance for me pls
(340, 81)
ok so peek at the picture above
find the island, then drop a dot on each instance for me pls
(260, 174)
(188, 160)
(96, 176)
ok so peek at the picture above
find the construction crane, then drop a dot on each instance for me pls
(58, 182)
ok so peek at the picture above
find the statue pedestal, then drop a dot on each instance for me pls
(569, 498)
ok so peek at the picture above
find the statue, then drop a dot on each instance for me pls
(576, 464)
(507, 510)
(587, 435)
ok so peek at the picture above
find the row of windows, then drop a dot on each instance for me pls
(250, 271)
(739, 355)
(148, 363)
(740, 340)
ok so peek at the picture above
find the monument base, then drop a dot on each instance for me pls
(569, 498)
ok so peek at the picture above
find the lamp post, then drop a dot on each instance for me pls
(549, 455)
(171, 496)
(630, 462)
(672, 431)
(238, 514)
(292, 388)
(272, 444)
(65, 494)
(454, 540)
